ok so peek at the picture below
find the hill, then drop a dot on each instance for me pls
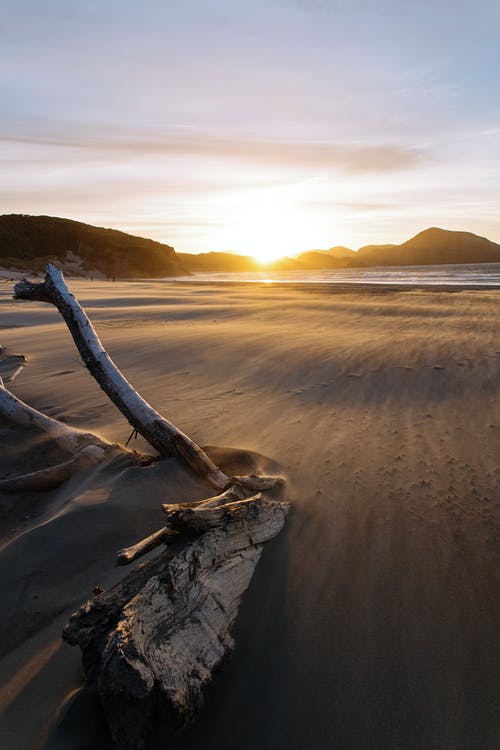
(218, 262)
(233, 263)
(30, 242)
(339, 251)
(318, 259)
(431, 247)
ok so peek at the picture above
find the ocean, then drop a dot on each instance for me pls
(465, 274)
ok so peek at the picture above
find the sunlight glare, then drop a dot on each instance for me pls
(270, 224)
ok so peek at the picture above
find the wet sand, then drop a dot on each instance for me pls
(372, 621)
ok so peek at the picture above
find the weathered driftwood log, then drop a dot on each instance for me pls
(84, 448)
(69, 439)
(53, 476)
(239, 489)
(159, 432)
(127, 555)
(153, 641)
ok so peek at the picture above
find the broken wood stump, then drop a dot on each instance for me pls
(152, 643)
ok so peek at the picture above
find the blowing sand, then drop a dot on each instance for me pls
(372, 621)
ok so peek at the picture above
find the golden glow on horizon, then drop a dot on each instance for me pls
(266, 224)
(266, 255)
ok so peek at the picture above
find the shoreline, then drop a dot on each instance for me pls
(342, 287)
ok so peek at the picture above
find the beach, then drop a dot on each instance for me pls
(372, 620)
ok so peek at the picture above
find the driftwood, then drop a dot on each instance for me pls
(84, 448)
(239, 489)
(152, 643)
(53, 476)
(160, 433)
(129, 554)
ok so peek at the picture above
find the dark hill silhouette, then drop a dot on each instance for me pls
(29, 242)
(368, 250)
(431, 247)
(339, 251)
(232, 263)
(318, 259)
(218, 262)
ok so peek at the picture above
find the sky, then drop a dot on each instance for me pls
(264, 127)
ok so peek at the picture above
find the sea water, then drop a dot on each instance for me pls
(464, 274)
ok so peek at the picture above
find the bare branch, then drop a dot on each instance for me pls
(159, 432)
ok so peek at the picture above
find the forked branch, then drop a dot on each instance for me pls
(159, 432)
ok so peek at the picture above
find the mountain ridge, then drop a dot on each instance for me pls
(433, 246)
(30, 242)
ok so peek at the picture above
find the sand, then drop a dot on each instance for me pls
(372, 621)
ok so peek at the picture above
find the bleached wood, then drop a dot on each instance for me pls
(159, 432)
(181, 516)
(69, 439)
(127, 555)
(233, 493)
(46, 479)
(202, 518)
(153, 642)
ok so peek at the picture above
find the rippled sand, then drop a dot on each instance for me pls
(372, 622)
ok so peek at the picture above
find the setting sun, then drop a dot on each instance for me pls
(270, 223)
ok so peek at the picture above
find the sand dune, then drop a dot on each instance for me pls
(372, 621)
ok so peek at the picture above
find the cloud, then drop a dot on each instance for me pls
(353, 157)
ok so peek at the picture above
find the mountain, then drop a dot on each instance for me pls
(232, 263)
(30, 242)
(218, 262)
(318, 259)
(431, 247)
(368, 250)
(339, 251)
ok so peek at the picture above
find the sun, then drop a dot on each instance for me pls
(271, 229)
(267, 254)
(268, 224)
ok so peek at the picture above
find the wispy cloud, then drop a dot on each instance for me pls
(354, 157)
